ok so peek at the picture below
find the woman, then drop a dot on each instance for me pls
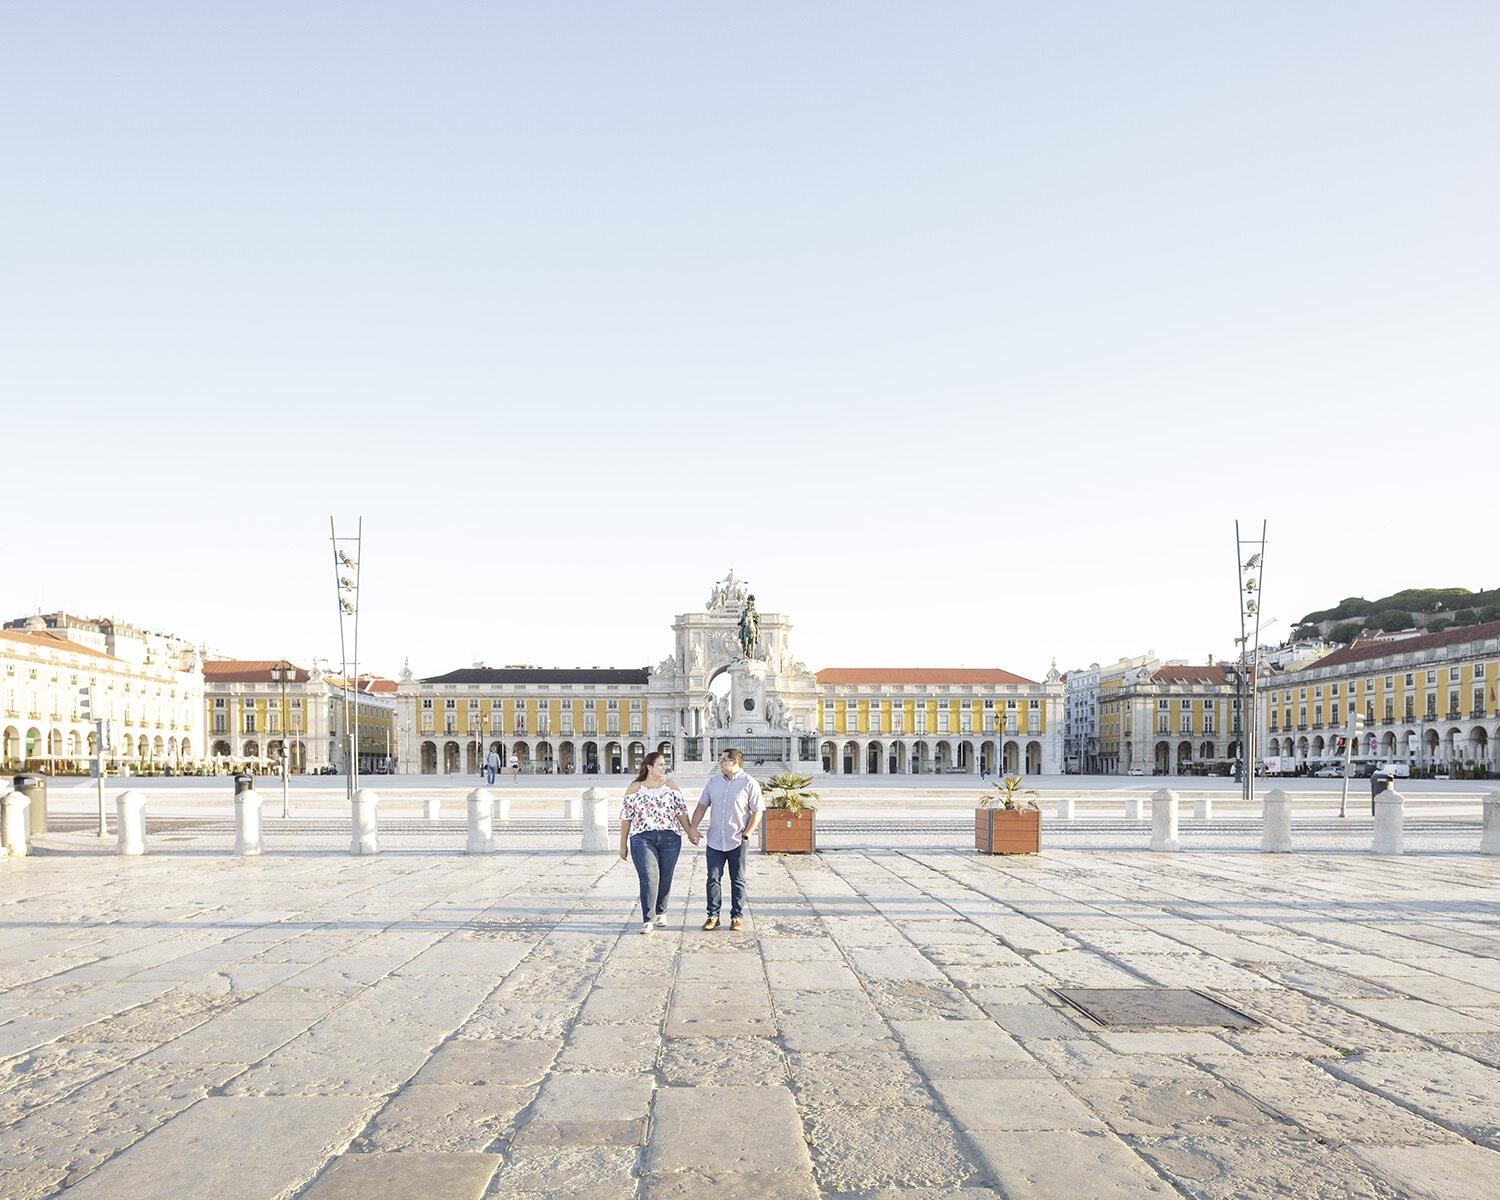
(650, 817)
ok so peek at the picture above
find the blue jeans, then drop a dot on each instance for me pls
(739, 884)
(489, 776)
(654, 853)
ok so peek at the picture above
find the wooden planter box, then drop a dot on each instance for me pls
(785, 832)
(1006, 831)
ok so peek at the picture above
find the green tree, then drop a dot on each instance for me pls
(1346, 632)
(1391, 620)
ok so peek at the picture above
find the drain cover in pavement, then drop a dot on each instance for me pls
(1143, 1008)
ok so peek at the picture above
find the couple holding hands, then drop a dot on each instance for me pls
(654, 816)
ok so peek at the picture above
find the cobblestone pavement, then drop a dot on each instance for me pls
(431, 1024)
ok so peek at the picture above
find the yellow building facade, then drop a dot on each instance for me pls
(1427, 699)
(258, 710)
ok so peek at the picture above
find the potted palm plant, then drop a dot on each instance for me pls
(788, 825)
(1005, 822)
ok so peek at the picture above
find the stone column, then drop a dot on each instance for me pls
(366, 831)
(15, 828)
(502, 808)
(570, 804)
(247, 833)
(1065, 808)
(595, 820)
(1164, 821)
(1276, 823)
(1133, 808)
(1489, 841)
(1390, 808)
(1203, 808)
(432, 808)
(130, 823)
(481, 827)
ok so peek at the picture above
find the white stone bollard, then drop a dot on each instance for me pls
(1276, 823)
(481, 822)
(1203, 808)
(1133, 808)
(1390, 809)
(432, 808)
(1164, 821)
(1065, 808)
(15, 823)
(130, 823)
(366, 823)
(247, 839)
(502, 808)
(570, 808)
(595, 819)
(1489, 840)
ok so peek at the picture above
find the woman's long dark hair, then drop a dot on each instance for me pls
(646, 765)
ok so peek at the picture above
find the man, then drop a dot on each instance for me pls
(491, 766)
(734, 804)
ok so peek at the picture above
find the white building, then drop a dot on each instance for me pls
(154, 697)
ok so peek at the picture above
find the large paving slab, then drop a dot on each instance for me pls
(886, 1026)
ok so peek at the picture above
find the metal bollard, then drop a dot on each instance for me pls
(130, 823)
(1489, 840)
(1203, 808)
(432, 808)
(1133, 808)
(247, 839)
(502, 808)
(1065, 808)
(481, 822)
(366, 839)
(1164, 821)
(1276, 823)
(570, 808)
(15, 818)
(1390, 810)
(595, 819)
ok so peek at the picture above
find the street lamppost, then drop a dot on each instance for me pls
(1249, 573)
(279, 674)
(346, 579)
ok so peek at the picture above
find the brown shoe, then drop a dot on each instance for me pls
(736, 923)
(711, 923)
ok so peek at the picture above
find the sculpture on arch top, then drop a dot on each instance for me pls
(727, 593)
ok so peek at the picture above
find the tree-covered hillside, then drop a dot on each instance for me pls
(1433, 609)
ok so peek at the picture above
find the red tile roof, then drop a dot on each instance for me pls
(48, 639)
(1215, 676)
(1365, 650)
(872, 676)
(235, 670)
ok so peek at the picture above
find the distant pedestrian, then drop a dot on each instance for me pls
(653, 817)
(734, 804)
(515, 769)
(491, 765)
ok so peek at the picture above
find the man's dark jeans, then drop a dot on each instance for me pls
(739, 884)
(655, 856)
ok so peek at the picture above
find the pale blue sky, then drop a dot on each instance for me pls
(962, 331)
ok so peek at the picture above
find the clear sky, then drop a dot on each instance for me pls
(962, 331)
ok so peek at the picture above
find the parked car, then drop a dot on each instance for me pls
(1136, 771)
(1329, 772)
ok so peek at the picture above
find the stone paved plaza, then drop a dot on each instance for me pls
(431, 1024)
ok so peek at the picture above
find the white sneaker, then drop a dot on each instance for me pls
(661, 919)
(647, 927)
